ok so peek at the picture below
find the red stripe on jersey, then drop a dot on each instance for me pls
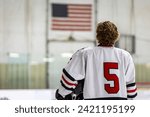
(72, 84)
(131, 91)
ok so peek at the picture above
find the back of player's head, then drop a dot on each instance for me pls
(106, 33)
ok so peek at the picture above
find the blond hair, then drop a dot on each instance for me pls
(106, 33)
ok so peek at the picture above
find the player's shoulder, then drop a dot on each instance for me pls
(84, 50)
(123, 52)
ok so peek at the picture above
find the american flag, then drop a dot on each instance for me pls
(72, 17)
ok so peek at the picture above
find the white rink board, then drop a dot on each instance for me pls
(41, 94)
(48, 94)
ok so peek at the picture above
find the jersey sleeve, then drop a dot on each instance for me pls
(74, 71)
(130, 79)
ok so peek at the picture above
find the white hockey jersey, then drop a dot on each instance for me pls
(108, 73)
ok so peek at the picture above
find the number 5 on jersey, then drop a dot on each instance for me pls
(111, 77)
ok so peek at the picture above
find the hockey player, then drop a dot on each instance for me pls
(101, 72)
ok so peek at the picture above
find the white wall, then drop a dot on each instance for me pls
(117, 11)
(142, 30)
(13, 26)
(38, 22)
(136, 22)
(23, 25)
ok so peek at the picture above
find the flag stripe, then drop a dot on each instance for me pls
(66, 24)
(81, 13)
(68, 27)
(80, 5)
(78, 18)
(80, 8)
(75, 5)
(70, 21)
(71, 29)
(75, 19)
